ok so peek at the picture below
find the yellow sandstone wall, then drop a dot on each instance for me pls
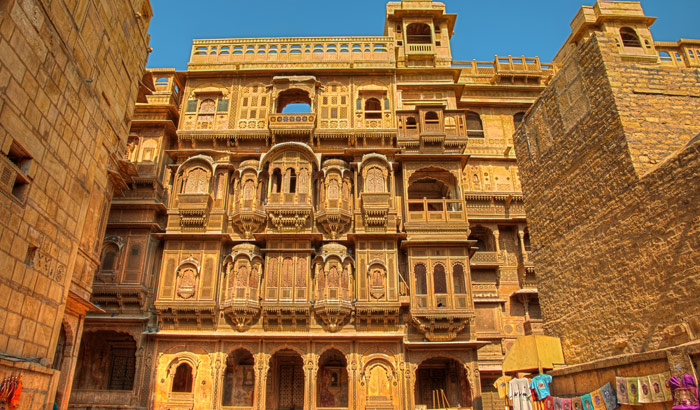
(610, 181)
(69, 73)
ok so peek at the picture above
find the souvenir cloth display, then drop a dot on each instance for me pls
(576, 403)
(501, 384)
(609, 397)
(656, 385)
(519, 393)
(10, 391)
(567, 404)
(549, 403)
(632, 391)
(540, 384)
(684, 392)
(621, 383)
(597, 399)
(586, 402)
(644, 389)
(557, 403)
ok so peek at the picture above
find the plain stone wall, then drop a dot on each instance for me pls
(69, 74)
(612, 199)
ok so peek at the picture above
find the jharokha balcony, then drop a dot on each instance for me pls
(291, 124)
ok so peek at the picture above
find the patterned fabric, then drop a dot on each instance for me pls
(597, 399)
(586, 402)
(576, 403)
(567, 404)
(632, 391)
(657, 390)
(609, 397)
(644, 389)
(621, 390)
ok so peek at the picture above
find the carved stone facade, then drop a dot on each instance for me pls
(360, 255)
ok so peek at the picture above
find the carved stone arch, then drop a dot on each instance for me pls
(368, 373)
(136, 336)
(208, 170)
(285, 346)
(209, 88)
(239, 346)
(191, 349)
(276, 151)
(345, 351)
(183, 357)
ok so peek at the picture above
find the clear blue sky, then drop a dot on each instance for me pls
(484, 27)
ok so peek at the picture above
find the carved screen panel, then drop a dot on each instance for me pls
(197, 181)
(301, 279)
(375, 181)
(272, 279)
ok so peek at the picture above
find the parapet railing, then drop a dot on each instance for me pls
(506, 65)
(685, 53)
(292, 50)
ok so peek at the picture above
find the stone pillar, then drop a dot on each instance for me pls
(217, 389)
(353, 379)
(496, 235)
(262, 367)
(475, 384)
(310, 372)
(521, 235)
(411, 370)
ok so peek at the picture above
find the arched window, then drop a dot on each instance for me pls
(290, 181)
(182, 382)
(239, 379)
(475, 129)
(421, 282)
(458, 281)
(518, 119)
(432, 121)
(276, 181)
(411, 123)
(373, 109)
(109, 258)
(418, 33)
(205, 119)
(629, 37)
(439, 280)
(293, 101)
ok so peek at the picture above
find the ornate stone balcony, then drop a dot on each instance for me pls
(334, 220)
(440, 324)
(375, 209)
(333, 312)
(435, 210)
(420, 50)
(281, 124)
(194, 209)
(248, 219)
(241, 312)
(487, 259)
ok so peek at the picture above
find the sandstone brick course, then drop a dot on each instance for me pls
(613, 208)
(56, 60)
